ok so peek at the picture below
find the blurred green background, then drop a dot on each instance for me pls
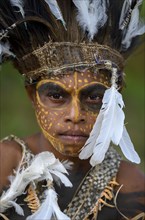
(17, 116)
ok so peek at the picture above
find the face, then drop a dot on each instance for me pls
(67, 108)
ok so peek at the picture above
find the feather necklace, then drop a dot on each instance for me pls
(49, 208)
(108, 127)
(42, 167)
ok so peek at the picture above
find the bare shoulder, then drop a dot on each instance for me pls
(130, 199)
(131, 177)
(10, 156)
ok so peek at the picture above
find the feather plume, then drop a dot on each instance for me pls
(20, 5)
(37, 171)
(112, 125)
(49, 208)
(108, 127)
(88, 148)
(53, 5)
(135, 26)
(5, 50)
(91, 15)
(127, 147)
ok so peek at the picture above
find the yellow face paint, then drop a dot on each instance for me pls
(66, 109)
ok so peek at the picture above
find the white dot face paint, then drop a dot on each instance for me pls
(66, 109)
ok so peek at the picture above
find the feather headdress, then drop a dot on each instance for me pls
(115, 24)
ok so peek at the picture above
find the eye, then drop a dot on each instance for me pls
(56, 97)
(96, 99)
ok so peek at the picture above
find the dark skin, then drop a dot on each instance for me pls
(131, 197)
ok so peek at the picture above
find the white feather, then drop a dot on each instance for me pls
(135, 27)
(39, 169)
(5, 50)
(58, 166)
(106, 132)
(118, 119)
(49, 208)
(68, 164)
(17, 207)
(62, 177)
(127, 147)
(53, 5)
(88, 148)
(91, 15)
(125, 9)
(108, 127)
(20, 5)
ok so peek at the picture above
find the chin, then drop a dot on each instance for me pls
(71, 151)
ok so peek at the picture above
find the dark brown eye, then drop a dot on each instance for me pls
(55, 96)
(94, 99)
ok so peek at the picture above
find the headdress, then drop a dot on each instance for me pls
(44, 37)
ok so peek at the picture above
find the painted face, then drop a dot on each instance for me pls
(67, 107)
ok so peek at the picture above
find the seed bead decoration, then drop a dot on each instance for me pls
(32, 199)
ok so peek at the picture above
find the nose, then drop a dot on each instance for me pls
(74, 113)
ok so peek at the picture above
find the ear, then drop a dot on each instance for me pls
(31, 92)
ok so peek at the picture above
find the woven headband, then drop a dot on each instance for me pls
(60, 56)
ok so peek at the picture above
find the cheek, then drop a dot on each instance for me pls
(91, 119)
(50, 120)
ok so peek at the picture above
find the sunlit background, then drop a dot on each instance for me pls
(17, 116)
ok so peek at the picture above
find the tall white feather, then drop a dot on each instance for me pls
(91, 15)
(135, 26)
(53, 5)
(112, 125)
(49, 208)
(88, 148)
(20, 5)
(5, 50)
(108, 126)
(43, 165)
(127, 148)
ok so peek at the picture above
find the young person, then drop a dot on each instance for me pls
(71, 55)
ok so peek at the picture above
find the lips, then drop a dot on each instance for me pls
(73, 137)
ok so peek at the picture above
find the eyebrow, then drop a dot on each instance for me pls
(91, 88)
(51, 86)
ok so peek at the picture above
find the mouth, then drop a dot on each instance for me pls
(73, 137)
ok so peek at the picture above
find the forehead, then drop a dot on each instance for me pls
(80, 79)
